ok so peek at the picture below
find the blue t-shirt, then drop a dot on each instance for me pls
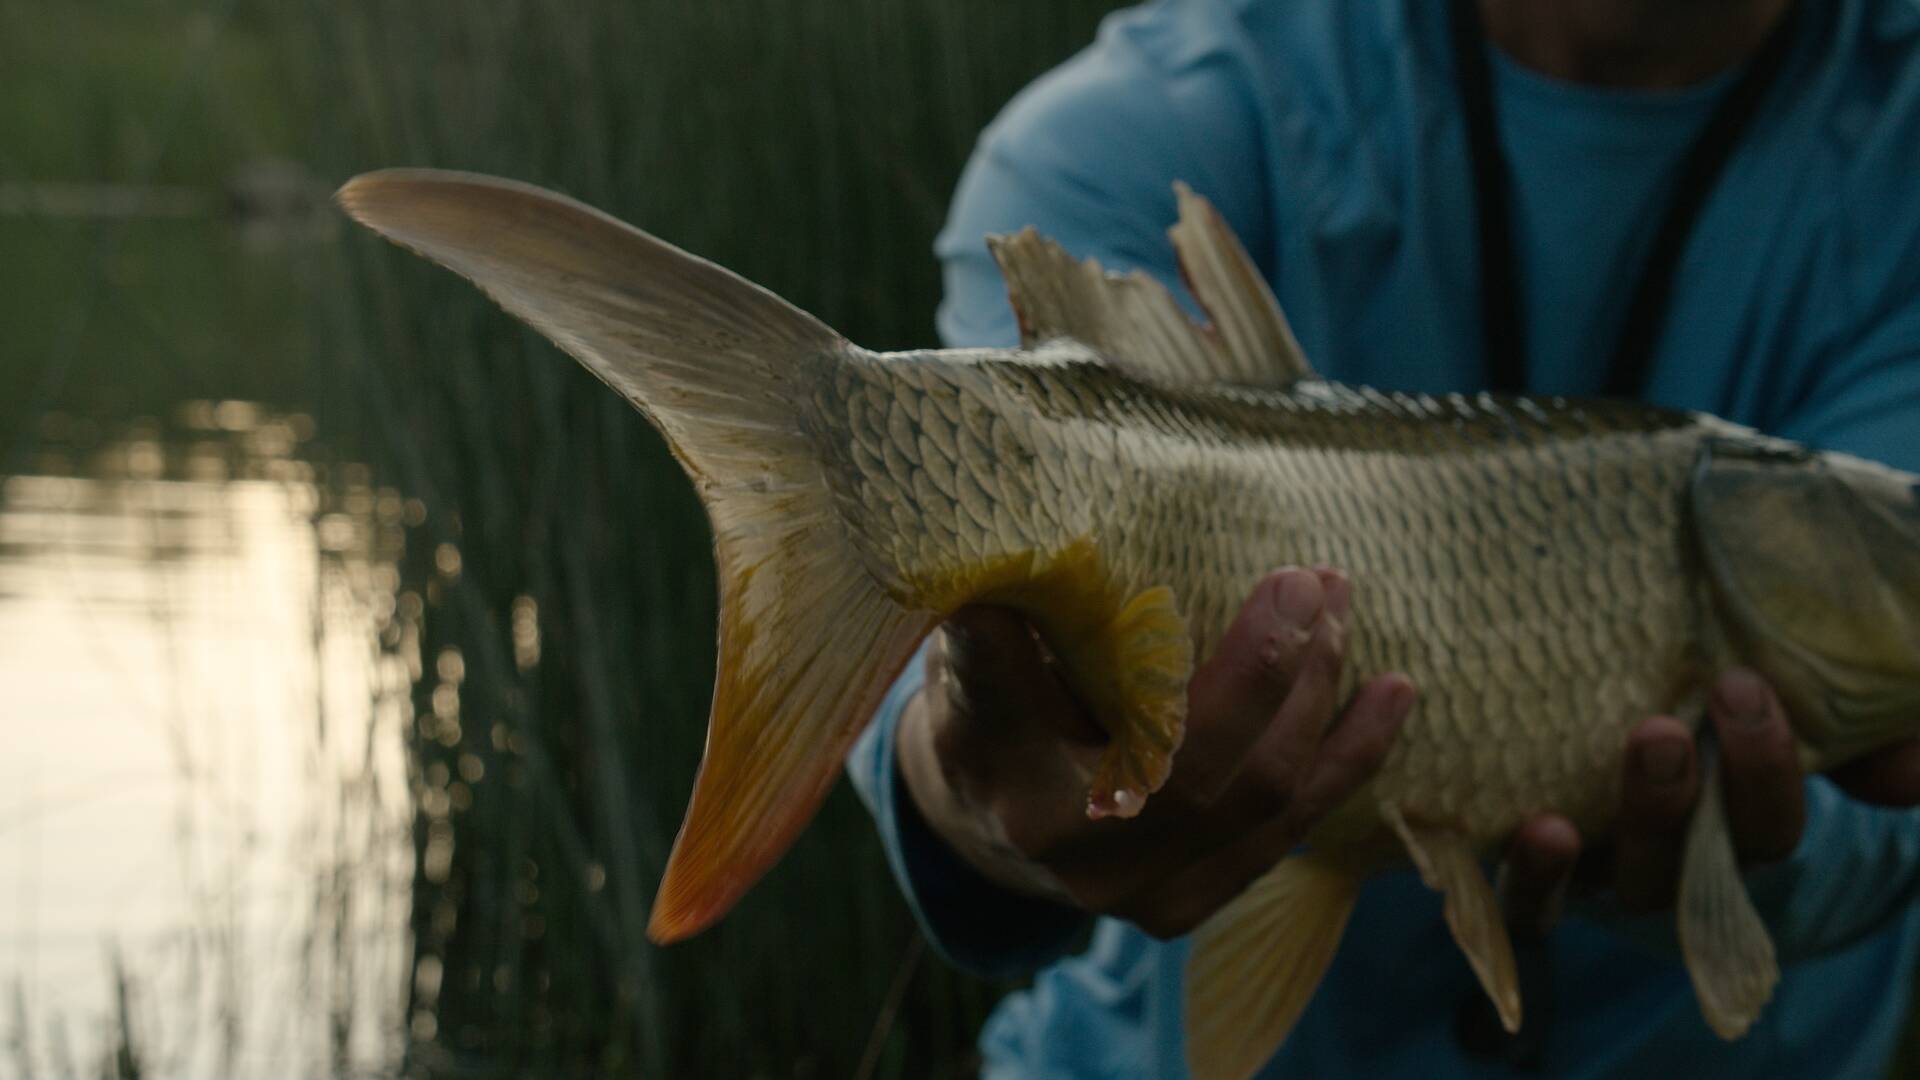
(1330, 136)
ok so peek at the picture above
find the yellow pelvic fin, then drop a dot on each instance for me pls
(1256, 963)
(1447, 863)
(1725, 945)
(1127, 656)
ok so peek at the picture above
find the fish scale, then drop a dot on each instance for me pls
(1549, 572)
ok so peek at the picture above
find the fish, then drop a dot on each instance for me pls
(1549, 571)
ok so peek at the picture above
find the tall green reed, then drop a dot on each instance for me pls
(811, 146)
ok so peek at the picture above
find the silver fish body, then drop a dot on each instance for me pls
(1549, 572)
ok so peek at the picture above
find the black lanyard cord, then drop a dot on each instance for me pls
(1693, 183)
(1499, 285)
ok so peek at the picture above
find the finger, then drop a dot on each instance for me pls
(1766, 804)
(1356, 747)
(1536, 873)
(1352, 754)
(1233, 696)
(1656, 800)
(1266, 783)
(1886, 777)
(1288, 746)
(1339, 603)
(1274, 767)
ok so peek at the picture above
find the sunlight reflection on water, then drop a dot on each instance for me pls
(203, 693)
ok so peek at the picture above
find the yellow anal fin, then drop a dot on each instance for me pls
(1256, 963)
(1127, 656)
(1725, 945)
(1447, 863)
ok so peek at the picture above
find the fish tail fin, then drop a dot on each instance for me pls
(809, 641)
(1257, 962)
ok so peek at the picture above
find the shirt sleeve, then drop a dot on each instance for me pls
(1856, 871)
(1088, 155)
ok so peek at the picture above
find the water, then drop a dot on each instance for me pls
(204, 800)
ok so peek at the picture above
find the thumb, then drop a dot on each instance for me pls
(1000, 678)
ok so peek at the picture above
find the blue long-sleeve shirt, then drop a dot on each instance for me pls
(1329, 135)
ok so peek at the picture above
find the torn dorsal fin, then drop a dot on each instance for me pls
(1245, 313)
(1136, 324)
(1130, 319)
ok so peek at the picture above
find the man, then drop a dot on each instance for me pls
(1429, 228)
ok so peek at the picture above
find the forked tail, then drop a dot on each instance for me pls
(808, 641)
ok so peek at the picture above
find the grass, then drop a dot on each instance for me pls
(157, 91)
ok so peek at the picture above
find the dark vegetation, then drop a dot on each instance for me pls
(811, 146)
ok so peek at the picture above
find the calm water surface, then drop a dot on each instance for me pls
(205, 806)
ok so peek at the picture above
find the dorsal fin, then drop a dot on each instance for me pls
(1133, 320)
(1229, 287)
(1130, 319)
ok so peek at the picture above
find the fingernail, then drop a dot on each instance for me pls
(1663, 761)
(1297, 603)
(1400, 701)
(1339, 601)
(1743, 698)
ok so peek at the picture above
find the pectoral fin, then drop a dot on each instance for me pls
(1257, 962)
(1448, 865)
(1726, 946)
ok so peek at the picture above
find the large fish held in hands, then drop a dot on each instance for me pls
(1549, 572)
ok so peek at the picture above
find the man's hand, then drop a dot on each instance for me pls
(1766, 807)
(997, 754)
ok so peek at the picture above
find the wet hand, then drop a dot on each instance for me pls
(1766, 806)
(997, 753)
